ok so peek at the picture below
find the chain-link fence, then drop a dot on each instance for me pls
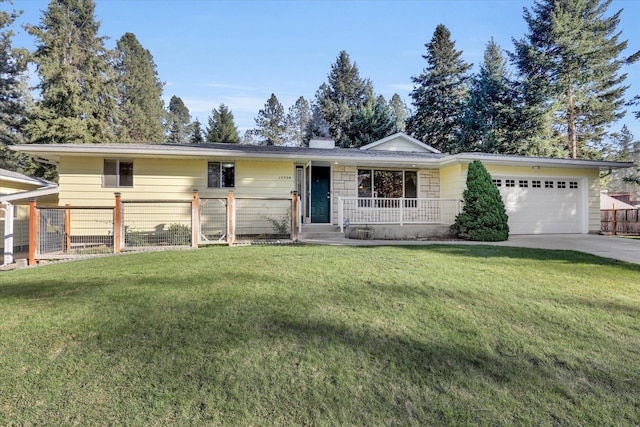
(74, 231)
(156, 223)
(263, 219)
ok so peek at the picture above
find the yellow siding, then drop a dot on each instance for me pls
(169, 179)
(10, 187)
(452, 182)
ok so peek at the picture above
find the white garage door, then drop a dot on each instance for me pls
(543, 205)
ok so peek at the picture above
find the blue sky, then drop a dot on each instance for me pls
(239, 52)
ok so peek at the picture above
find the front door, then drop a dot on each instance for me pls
(320, 194)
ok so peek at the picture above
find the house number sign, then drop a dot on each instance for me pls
(284, 177)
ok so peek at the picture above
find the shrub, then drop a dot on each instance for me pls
(483, 217)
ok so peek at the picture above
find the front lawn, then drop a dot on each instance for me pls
(309, 335)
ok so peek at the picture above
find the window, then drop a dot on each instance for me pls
(573, 184)
(548, 184)
(497, 182)
(562, 184)
(387, 184)
(523, 183)
(117, 173)
(509, 183)
(535, 184)
(221, 175)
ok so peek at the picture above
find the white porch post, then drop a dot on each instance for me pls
(341, 214)
(8, 233)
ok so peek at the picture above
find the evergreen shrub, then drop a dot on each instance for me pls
(483, 217)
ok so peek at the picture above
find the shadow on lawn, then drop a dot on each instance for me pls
(534, 254)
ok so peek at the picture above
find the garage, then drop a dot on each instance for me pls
(544, 205)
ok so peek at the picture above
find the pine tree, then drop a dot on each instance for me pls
(222, 127)
(271, 126)
(399, 112)
(492, 120)
(297, 121)
(196, 133)
(177, 121)
(317, 127)
(372, 122)
(572, 55)
(624, 148)
(78, 101)
(13, 92)
(483, 216)
(439, 93)
(344, 93)
(140, 92)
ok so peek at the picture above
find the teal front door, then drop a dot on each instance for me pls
(320, 194)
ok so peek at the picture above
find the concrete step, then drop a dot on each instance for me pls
(320, 231)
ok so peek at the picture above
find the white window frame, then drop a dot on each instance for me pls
(117, 173)
(220, 176)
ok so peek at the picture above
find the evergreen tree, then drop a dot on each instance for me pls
(196, 133)
(572, 55)
(271, 123)
(77, 82)
(624, 148)
(317, 127)
(344, 93)
(399, 112)
(372, 122)
(140, 92)
(439, 93)
(483, 216)
(177, 121)
(297, 121)
(222, 127)
(492, 120)
(13, 92)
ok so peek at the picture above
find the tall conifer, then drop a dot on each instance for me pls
(77, 82)
(222, 127)
(439, 93)
(571, 55)
(140, 92)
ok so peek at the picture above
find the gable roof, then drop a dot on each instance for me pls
(404, 138)
(11, 176)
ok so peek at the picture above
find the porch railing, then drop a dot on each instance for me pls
(359, 210)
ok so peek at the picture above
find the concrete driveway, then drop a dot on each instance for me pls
(619, 248)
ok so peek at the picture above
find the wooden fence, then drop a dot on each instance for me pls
(620, 221)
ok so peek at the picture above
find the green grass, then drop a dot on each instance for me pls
(433, 335)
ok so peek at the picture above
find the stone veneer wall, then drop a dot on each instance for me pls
(429, 180)
(344, 185)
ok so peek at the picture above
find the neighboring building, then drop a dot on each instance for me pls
(398, 185)
(16, 190)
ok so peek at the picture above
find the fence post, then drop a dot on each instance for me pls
(294, 208)
(613, 224)
(195, 220)
(341, 214)
(34, 226)
(67, 227)
(231, 216)
(117, 227)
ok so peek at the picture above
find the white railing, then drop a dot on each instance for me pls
(358, 210)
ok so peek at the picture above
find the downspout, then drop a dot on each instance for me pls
(8, 233)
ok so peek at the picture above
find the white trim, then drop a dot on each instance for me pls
(404, 136)
(26, 195)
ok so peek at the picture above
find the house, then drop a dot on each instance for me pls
(16, 190)
(398, 187)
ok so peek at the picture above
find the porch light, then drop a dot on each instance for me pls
(535, 168)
